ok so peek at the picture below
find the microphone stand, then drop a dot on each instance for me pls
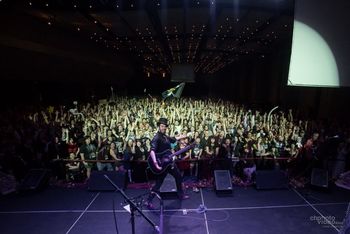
(161, 212)
(133, 208)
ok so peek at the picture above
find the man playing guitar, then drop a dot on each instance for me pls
(159, 144)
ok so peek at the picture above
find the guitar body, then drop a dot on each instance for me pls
(164, 160)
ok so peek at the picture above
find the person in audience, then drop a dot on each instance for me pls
(88, 152)
(107, 153)
(129, 155)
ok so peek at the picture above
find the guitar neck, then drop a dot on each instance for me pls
(182, 150)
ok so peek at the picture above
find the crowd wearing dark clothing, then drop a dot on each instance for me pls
(121, 133)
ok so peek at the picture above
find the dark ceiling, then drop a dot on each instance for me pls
(211, 34)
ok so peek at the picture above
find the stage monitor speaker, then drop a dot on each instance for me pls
(223, 183)
(168, 190)
(35, 179)
(319, 178)
(271, 179)
(98, 182)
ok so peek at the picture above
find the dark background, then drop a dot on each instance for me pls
(41, 64)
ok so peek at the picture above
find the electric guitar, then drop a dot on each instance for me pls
(166, 159)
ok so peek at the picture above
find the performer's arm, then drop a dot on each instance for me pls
(154, 146)
(154, 160)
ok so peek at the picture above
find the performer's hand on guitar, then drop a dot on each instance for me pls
(158, 167)
(181, 137)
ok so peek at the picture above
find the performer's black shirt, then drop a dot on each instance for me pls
(161, 142)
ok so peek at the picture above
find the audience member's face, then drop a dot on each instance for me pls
(71, 155)
(196, 134)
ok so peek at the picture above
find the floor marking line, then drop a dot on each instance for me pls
(313, 207)
(82, 213)
(171, 210)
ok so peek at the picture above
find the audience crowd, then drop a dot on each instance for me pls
(115, 135)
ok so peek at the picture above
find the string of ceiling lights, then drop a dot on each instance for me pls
(210, 49)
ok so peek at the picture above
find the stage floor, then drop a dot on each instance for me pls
(58, 210)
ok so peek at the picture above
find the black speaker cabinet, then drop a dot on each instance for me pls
(168, 190)
(35, 179)
(271, 179)
(223, 183)
(319, 178)
(98, 182)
